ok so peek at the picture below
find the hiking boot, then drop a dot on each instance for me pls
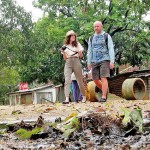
(102, 100)
(84, 99)
(65, 102)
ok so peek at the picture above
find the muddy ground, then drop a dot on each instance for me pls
(51, 111)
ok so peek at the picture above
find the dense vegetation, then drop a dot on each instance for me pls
(29, 52)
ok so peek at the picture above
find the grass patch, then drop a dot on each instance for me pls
(25, 134)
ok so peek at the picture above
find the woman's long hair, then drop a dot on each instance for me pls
(67, 41)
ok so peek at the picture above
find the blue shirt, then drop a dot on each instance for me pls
(97, 50)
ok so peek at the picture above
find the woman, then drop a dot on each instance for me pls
(72, 52)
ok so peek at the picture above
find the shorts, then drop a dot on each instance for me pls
(101, 70)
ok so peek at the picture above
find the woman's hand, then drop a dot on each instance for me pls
(64, 56)
(80, 54)
(62, 51)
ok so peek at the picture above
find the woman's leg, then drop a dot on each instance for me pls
(78, 73)
(67, 74)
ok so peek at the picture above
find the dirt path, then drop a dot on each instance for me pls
(50, 111)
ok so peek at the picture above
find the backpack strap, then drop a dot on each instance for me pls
(91, 38)
(106, 39)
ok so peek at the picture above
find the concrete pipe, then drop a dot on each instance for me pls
(133, 89)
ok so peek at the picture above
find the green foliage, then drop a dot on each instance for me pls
(117, 17)
(136, 117)
(126, 118)
(15, 112)
(32, 50)
(3, 131)
(5, 77)
(47, 62)
(68, 132)
(133, 117)
(25, 134)
(132, 48)
(15, 33)
(71, 126)
(9, 78)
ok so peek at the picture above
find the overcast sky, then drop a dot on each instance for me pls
(27, 4)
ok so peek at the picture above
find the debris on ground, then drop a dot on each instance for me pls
(91, 129)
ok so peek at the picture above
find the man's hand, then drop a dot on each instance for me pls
(111, 65)
(89, 66)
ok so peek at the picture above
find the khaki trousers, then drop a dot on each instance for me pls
(73, 65)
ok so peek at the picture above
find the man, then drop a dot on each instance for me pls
(100, 58)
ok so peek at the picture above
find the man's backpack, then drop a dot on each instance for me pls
(105, 36)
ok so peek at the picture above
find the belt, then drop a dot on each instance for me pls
(73, 57)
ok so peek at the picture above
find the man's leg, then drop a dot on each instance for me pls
(104, 87)
(104, 74)
(98, 83)
(96, 77)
